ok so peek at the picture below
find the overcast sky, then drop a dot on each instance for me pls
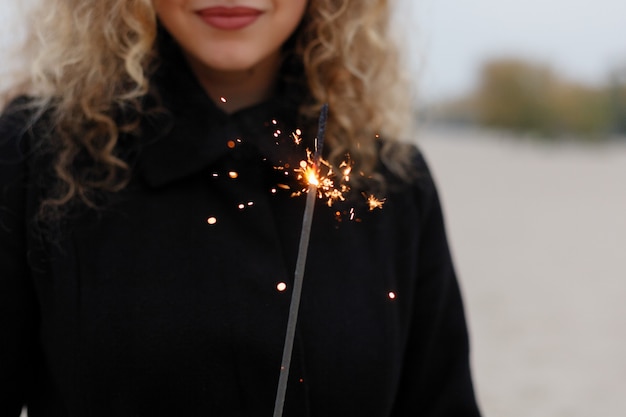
(581, 38)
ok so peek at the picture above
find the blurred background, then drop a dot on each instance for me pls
(522, 115)
(521, 108)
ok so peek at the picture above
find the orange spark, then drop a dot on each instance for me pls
(346, 167)
(374, 203)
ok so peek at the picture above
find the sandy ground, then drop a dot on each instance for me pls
(538, 232)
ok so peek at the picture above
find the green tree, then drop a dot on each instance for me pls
(529, 97)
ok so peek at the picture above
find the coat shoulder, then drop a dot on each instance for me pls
(405, 170)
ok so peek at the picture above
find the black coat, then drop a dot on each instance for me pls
(143, 308)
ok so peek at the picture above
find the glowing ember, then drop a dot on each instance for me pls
(273, 190)
(233, 174)
(231, 144)
(311, 177)
(211, 220)
(309, 173)
(392, 295)
(241, 206)
(274, 122)
(223, 99)
(281, 286)
(250, 203)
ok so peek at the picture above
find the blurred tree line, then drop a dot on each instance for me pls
(531, 98)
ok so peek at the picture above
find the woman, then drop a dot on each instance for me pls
(150, 217)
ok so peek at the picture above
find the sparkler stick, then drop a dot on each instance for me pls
(299, 272)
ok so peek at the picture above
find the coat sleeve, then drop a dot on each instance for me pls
(17, 300)
(436, 379)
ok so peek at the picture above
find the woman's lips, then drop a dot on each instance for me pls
(229, 18)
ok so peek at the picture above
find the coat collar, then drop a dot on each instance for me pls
(190, 133)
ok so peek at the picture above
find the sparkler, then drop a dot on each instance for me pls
(305, 233)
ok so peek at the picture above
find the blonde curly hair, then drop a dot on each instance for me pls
(95, 58)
